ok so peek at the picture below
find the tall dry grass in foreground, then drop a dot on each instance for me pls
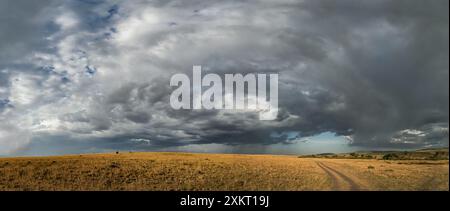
(182, 171)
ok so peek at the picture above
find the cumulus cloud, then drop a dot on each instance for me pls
(97, 72)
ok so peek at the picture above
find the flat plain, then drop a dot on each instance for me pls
(188, 171)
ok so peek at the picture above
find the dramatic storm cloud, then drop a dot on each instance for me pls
(93, 75)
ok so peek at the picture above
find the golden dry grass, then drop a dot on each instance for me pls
(183, 171)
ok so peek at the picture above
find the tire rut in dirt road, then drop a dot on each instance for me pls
(340, 181)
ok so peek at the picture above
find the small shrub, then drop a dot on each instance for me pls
(114, 165)
(390, 157)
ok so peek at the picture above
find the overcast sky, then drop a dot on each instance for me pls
(82, 76)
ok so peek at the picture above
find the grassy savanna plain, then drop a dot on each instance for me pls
(186, 171)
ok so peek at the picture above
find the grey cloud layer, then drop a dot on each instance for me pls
(373, 71)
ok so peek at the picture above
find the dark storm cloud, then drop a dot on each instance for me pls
(394, 78)
(19, 24)
(375, 72)
(371, 69)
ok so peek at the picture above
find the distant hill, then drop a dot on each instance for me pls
(421, 154)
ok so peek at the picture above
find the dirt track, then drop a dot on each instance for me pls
(339, 180)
